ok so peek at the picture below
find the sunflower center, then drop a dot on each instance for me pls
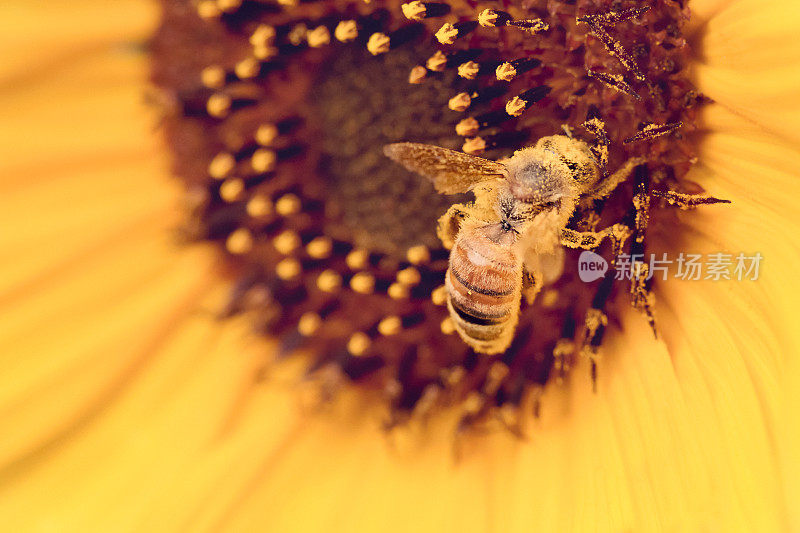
(277, 114)
(362, 103)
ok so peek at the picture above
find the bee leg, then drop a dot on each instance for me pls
(450, 223)
(532, 283)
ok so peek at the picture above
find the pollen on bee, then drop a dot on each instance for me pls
(346, 31)
(240, 241)
(378, 43)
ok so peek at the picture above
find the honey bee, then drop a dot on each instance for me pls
(509, 241)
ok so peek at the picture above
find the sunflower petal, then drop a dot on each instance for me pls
(748, 55)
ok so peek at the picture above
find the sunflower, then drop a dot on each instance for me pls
(128, 404)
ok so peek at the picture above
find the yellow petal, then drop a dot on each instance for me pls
(38, 37)
(748, 53)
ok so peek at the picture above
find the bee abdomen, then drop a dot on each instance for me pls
(483, 286)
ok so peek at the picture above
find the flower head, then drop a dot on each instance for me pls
(277, 117)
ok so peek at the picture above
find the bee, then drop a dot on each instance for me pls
(509, 241)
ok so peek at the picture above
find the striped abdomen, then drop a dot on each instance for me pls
(483, 284)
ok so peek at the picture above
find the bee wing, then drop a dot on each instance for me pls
(451, 172)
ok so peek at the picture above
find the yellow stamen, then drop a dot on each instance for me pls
(320, 247)
(363, 283)
(460, 102)
(239, 241)
(390, 325)
(231, 189)
(286, 242)
(346, 31)
(221, 166)
(213, 77)
(329, 281)
(259, 206)
(358, 344)
(288, 269)
(378, 44)
(308, 324)
(447, 34)
(263, 160)
(288, 204)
